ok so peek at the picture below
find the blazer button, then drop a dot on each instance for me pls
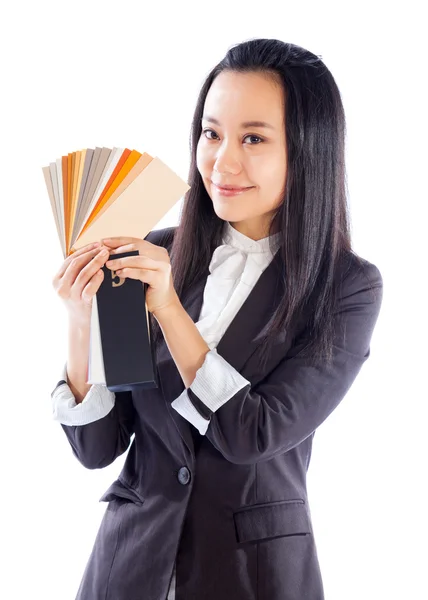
(184, 475)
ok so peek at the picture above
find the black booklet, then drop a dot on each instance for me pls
(125, 331)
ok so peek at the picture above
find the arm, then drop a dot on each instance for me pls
(97, 444)
(99, 428)
(248, 425)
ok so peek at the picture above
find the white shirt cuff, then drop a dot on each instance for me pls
(216, 382)
(97, 403)
(185, 408)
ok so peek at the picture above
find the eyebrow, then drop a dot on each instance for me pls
(244, 125)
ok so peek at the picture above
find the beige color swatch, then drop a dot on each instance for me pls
(126, 163)
(50, 188)
(138, 168)
(140, 207)
(60, 195)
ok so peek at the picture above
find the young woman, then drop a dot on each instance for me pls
(263, 316)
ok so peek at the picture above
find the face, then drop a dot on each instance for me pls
(243, 145)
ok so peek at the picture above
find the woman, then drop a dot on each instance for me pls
(263, 317)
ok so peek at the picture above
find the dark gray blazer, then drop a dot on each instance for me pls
(231, 507)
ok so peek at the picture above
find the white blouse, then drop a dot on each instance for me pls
(234, 269)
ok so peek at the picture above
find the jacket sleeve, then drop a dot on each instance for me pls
(251, 424)
(97, 444)
(99, 428)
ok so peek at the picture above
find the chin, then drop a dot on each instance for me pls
(228, 213)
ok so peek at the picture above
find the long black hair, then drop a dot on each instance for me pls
(312, 220)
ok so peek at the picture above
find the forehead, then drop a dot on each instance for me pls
(245, 96)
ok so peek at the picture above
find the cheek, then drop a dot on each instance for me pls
(200, 155)
(272, 173)
(204, 160)
(203, 167)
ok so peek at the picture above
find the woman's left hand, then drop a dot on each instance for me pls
(152, 266)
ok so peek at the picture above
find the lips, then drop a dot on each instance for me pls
(231, 188)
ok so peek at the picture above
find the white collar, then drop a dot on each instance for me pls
(233, 237)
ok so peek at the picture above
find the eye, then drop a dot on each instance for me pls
(256, 137)
(209, 131)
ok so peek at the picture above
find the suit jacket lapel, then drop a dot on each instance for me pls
(239, 341)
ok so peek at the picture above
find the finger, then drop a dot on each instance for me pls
(80, 270)
(83, 248)
(143, 275)
(134, 262)
(115, 242)
(130, 243)
(79, 252)
(126, 248)
(86, 253)
(143, 247)
(92, 287)
(88, 271)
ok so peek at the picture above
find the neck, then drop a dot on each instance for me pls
(252, 233)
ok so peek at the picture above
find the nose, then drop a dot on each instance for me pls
(227, 160)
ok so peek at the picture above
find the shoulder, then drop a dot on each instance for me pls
(358, 275)
(161, 237)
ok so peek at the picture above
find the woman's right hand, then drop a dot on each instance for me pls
(79, 279)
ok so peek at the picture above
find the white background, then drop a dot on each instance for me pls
(85, 74)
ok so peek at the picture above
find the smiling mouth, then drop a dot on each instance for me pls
(230, 188)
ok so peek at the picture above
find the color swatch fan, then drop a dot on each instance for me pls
(105, 193)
